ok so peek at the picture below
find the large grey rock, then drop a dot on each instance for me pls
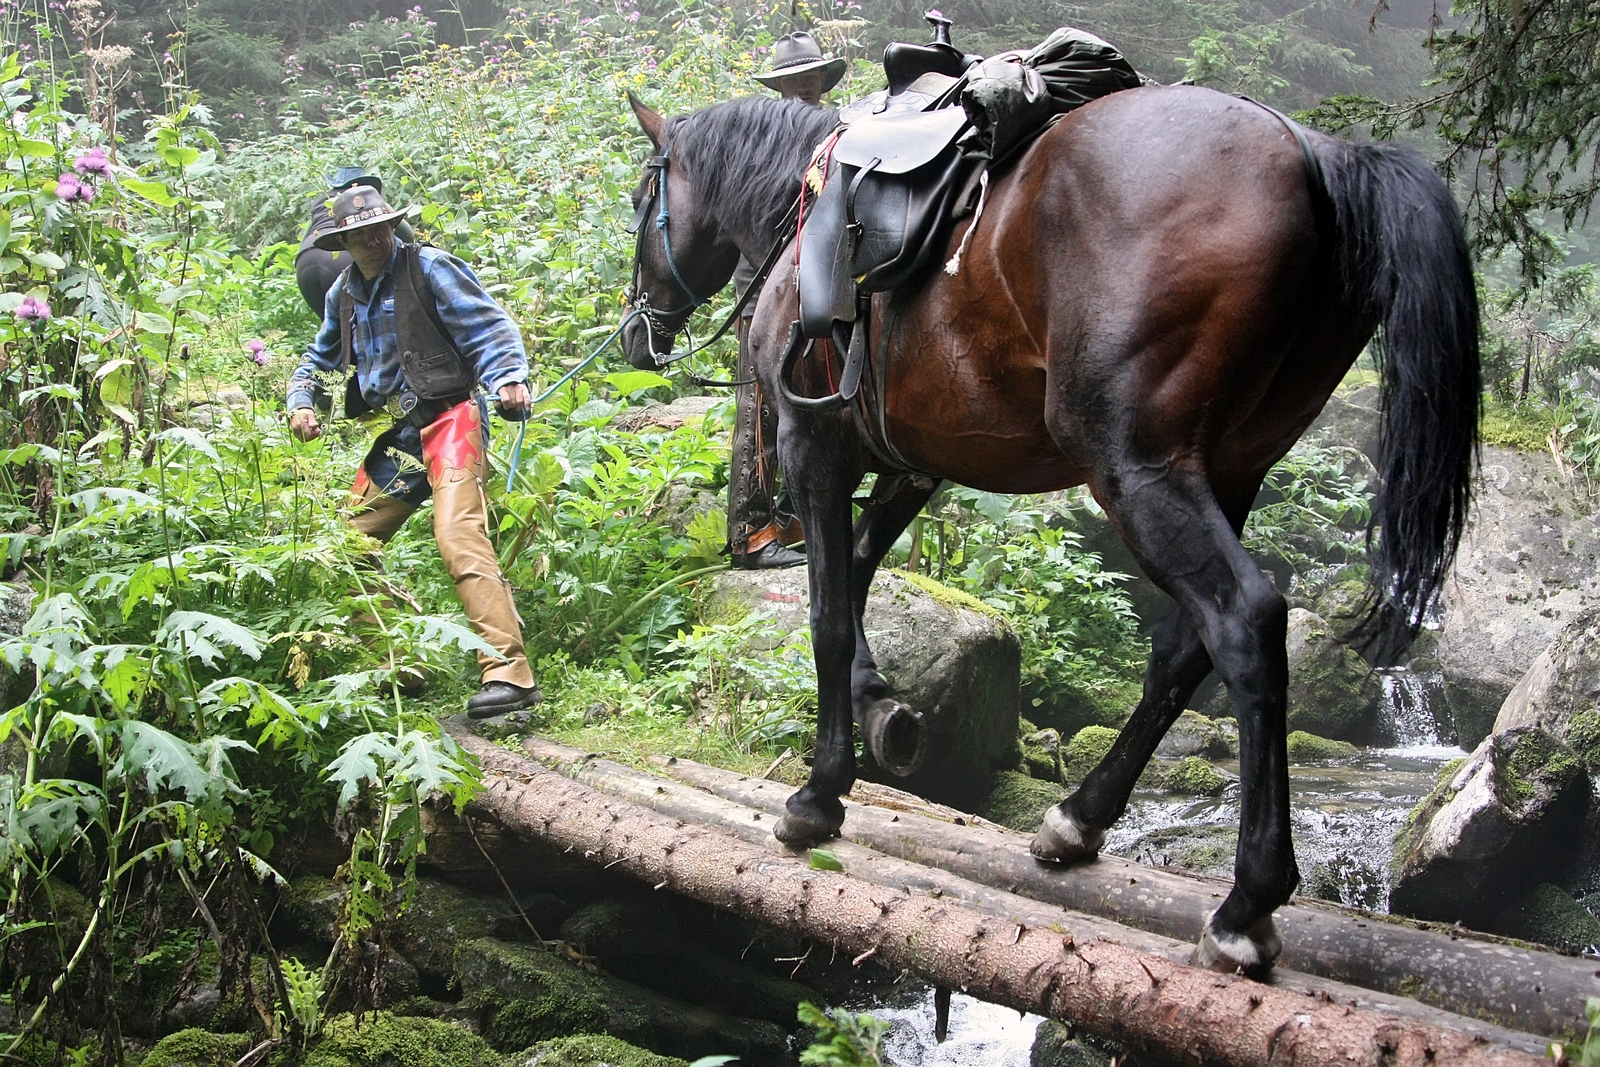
(656, 417)
(1529, 563)
(1563, 681)
(1507, 818)
(1332, 691)
(945, 654)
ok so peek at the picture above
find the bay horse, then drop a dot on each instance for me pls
(1161, 294)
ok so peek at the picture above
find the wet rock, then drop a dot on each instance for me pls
(1208, 849)
(386, 1040)
(512, 725)
(1086, 749)
(681, 504)
(1195, 735)
(1561, 690)
(1346, 880)
(1332, 691)
(1350, 419)
(1019, 802)
(1309, 748)
(195, 1047)
(1194, 777)
(1548, 915)
(309, 911)
(716, 982)
(945, 654)
(523, 994)
(1508, 818)
(620, 927)
(1528, 564)
(592, 1050)
(1055, 1045)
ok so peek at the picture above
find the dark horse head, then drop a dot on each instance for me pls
(716, 187)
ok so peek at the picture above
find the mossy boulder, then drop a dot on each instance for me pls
(1041, 752)
(1086, 749)
(1055, 1045)
(385, 1040)
(591, 1050)
(440, 917)
(1308, 748)
(1509, 818)
(623, 926)
(1194, 777)
(1548, 914)
(952, 658)
(1332, 691)
(309, 910)
(524, 994)
(1195, 735)
(1019, 802)
(197, 1048)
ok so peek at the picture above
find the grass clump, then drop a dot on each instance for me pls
(594, 1050)
(1019, 802)
(197, 1048)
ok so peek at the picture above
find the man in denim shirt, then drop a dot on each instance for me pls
(456, 338)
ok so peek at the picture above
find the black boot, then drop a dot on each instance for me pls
(771, 556)
(498, 698)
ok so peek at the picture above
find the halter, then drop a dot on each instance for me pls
(658, 196)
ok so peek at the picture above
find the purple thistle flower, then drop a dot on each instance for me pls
(68, 187)
(258, 352)
(32, 309)
(94, 161)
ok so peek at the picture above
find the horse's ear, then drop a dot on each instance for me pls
(651, 121)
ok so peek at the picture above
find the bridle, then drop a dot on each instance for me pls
(655, 318)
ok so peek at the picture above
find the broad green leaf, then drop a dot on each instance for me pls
(10, 265)
(116, 388)
(5, 228)
(357, 764)
(189, 437)
(823, 860)
(162, 760)
(152, 322)
(48, 260)
(29, 148)
(202, 636)
(179, 155)
(633, 381)
(155, 192)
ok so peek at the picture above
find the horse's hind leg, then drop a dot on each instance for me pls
(893, 732)
(1171, 520)
(1075, 829)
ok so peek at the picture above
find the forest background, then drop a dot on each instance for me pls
(203, 669)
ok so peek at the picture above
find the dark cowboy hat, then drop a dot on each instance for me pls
(796, 53)
(354, 208)
(346, 177)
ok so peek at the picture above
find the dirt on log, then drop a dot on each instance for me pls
(1142, 999)
(1472, 974)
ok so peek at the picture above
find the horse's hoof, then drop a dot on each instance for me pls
(796, 830)
(1250, 953)
(1063, 839)
(895, 735)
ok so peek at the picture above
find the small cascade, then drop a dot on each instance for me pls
(1413, 712)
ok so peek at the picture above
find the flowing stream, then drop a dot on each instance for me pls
(1346, 814)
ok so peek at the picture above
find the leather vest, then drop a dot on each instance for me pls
(434, 368)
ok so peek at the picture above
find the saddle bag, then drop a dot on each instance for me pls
(884, 207)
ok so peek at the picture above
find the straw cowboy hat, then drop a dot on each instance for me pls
(354, 208)
(796, 53)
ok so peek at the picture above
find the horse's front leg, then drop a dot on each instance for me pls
(822, 470)
(892, 731)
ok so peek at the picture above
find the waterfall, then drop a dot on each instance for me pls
(1412, 709)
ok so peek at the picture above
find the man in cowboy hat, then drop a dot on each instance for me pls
(315, 268)
(760, 533)
(800, 70)
(421, 336)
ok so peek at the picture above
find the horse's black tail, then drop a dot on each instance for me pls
(1401, 253)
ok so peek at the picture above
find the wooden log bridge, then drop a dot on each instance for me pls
(957, 932)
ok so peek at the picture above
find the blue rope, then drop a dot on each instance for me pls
(522, 433)
(662, 218)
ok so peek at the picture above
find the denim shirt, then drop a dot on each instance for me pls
(480, 328)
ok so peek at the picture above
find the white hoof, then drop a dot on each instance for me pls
(1063, 839)
(1252, 952)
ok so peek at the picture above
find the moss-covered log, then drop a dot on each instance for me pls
(1137, 997)
(1477, 975)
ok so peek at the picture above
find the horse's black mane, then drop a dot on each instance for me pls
(747, 156)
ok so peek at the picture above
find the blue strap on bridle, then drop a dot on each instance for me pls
(662, 218)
